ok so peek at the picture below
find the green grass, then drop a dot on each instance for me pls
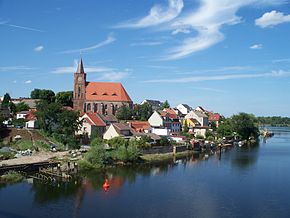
(163, 157)
(23, 145)
(11, 177)
(6, 155)
(41, 145)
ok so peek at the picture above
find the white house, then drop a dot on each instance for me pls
(201, 117)
(22, 114)
(200, 108)
(161, 131)
(156, 120)
(184, 108)
(155, 104)
(118, 130)
(92, 124)
(31, 120)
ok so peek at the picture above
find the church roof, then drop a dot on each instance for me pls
(80, 67)
(106, 91)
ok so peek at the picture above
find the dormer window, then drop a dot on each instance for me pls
(114, 94)
(105, 93)
(94, 93)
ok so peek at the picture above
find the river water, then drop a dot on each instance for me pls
(245, 182)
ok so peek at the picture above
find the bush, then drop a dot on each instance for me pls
(164, 141)
(11, 177)
(126, 154)
(96, 156)
(23, 145)
(117, 142)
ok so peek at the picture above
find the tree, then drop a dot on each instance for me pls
(143, 112)
(6, 100)
(225, 128)
(164, 141)
(245, 125)
(65, 98)
(12, 107)
(43, 94)
(185, 127)
(124, 113)
(165, 105)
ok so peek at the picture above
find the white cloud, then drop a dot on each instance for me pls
(272, 18)
(279, 73)
(38, 48)
(15, 68)
(157, 15)
(14, 81)
(110, 39)
(63, 70)
(6, 23)
(146, 43)
(113, 76)
(256, 46)
(28, 82)
(205, 23)
(281, 60)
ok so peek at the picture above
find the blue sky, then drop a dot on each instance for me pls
(228, 56)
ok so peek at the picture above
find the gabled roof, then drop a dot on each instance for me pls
(120, 128)
(106, 91)
(94, 119)
(186, 106)
(22, 112)
(171, 113)
(152, 102)
(199, 113)
(31, 115)
(214, 117)
(139, 126)
(201, 108)
(108, 118)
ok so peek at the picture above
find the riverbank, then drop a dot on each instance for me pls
(166, 156)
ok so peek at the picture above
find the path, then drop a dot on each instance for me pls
(35, 158)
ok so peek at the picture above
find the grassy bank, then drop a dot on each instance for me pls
(165, 156)
(11, 177)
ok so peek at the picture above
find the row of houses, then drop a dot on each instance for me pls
(169, 122)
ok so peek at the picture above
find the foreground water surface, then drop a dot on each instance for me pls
(245, 182)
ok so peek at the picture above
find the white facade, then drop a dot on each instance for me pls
(155, 120)
(199, 116)
(111, 133)
(199, 131)
(31, 124)
(184, 109)
(177, 139)
(86, 128)
(161, 131)
(21, 115)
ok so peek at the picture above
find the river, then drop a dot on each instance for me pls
(245, 182)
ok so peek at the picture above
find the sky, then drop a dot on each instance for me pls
(228, 56)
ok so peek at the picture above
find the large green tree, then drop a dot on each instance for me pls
(6, 100)
(165, 105)
(245, 125)
(143, 111)
(43, 94)
(124, 113)
(21, 107)
(65, 98)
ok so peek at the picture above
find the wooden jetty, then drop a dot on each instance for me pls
(31, 167)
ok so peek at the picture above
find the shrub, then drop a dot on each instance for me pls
(96, 156)
(126, 154)
(11, 177)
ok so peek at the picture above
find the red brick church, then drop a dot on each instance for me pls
(98, 97)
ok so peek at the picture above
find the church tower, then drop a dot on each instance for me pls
(79, 95)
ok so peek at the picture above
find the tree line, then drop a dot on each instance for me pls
(274, 121)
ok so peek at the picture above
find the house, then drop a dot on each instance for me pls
(108, 119)
(98, 97)
(118, 130)
(184, 109)
(164, 123)
(214, 118)
(200, 131)
(92, 125)
(190, 123)
(178, 139)
(31, 120)
(200, 108)
(140, 126)
(31, 103)
(22, 114)
(201, 117)
(155, 104)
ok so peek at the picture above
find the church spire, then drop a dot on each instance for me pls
(80, 67)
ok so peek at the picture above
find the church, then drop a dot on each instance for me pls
(98, 97)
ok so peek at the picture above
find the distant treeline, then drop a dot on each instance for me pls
(274, 121)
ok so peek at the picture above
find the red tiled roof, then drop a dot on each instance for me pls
(214, 117)
(139, 126)
(106, 91)
(95, 119)
(170, 115)
(31, 115)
